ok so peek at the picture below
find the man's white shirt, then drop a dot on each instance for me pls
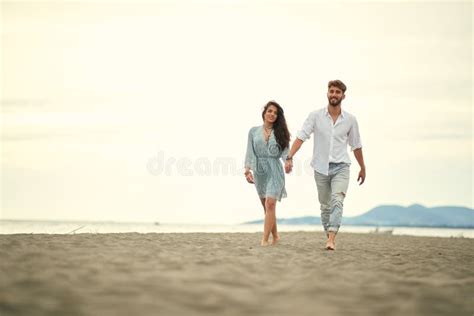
(330, 140)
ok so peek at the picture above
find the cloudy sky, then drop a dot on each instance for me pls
(140, 112)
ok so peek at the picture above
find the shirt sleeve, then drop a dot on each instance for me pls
(250, 157)
(354, 136)
(308, 127)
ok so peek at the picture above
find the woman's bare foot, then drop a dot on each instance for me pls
(264, 243)
(275, 240)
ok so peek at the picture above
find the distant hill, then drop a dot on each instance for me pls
(394, 215)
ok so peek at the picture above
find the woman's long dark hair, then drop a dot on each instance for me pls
(280, 129)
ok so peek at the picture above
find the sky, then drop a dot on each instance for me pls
(126, 111)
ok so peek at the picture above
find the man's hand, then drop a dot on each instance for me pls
(249, 177)
(288, 166)
(361, 177)
(360, 159)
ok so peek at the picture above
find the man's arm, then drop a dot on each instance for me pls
(294, 149)
(360, 159)
(303, 134)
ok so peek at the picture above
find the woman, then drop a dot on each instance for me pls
(266, 145)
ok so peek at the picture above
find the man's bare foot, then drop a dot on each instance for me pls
(275, 240)
(330, 245)
(264, 243)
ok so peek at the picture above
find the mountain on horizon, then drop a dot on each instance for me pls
(415, 215)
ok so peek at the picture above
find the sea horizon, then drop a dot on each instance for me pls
(23, 226)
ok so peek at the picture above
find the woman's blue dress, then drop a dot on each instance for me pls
(264, 159)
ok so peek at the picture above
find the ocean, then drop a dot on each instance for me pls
(76, 227)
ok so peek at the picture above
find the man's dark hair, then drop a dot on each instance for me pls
(338, 84)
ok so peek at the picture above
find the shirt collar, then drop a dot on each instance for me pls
(326, 111)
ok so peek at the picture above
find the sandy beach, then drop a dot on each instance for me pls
(230, 274)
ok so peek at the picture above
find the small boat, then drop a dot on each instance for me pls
(378, 231)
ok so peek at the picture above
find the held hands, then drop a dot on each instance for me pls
(361, 177)
(288, 166)
(249, 176)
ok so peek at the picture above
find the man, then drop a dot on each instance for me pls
(333, 130)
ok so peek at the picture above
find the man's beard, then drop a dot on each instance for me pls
(337, 102)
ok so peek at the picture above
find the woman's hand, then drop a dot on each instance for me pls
(249, 176)
(288, 165)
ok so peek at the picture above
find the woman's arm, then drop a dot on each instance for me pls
(250, 158)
